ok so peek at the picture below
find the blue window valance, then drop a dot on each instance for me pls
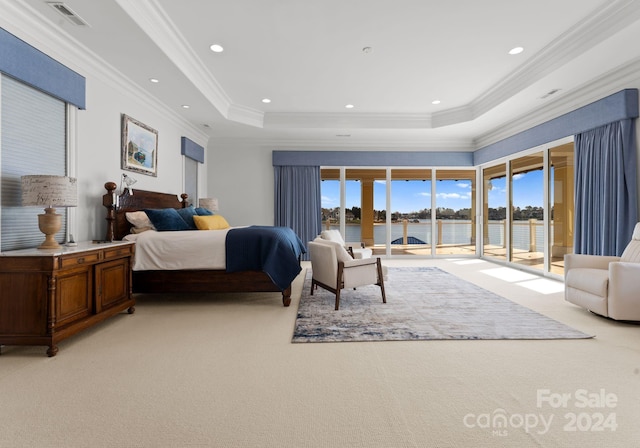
(191, 149)
(29, 65)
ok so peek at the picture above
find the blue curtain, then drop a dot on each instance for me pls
(606, 204)
(297, 200)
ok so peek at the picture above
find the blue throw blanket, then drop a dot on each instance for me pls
(273, 250)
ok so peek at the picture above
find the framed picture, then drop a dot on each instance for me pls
(139, 147)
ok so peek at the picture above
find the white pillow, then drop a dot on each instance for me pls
(332, 235)
(341, 252)
(139, 220)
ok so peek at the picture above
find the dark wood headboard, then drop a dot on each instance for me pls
(118, 205)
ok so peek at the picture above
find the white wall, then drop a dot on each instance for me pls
(97, 130)
(99, 155)
(241, 177)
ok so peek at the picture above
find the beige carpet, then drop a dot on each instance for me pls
(221, 371)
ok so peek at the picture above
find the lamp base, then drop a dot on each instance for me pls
(49, 223)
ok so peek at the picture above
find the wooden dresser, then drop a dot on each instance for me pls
(49, 295)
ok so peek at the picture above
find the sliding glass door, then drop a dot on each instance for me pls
(455, 232)
(494, 212)
(411, 212)
(561, 205)
(527, 211)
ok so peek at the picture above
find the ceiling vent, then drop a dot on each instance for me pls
(68, 13)
(549, 93)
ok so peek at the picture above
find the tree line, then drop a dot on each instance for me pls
(354, 214)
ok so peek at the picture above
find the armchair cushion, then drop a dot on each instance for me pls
(632, 252)
(356, 249)
(332, 235)
(341, 252)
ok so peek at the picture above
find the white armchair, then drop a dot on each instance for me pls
(357, 250)
(334, 269)
(606, 285)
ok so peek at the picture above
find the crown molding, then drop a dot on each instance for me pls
(154, 21)
(606, 22)
(246, 115)
(29, 25)
(619, 78)
(602, 24)
(311, 120)
(462, 145)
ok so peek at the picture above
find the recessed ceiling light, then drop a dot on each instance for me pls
(154, 80)
(435, 102)
(266, 100)
(516, 50)
(185, 106)
(349, 106)
(216, 48)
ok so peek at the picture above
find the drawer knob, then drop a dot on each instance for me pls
(80, 260)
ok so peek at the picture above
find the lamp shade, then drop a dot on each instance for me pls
(209, 203)
(49, 191)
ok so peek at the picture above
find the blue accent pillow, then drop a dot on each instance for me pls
(203, 211)
(166, 219)
(187, 214)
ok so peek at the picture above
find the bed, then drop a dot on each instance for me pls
(255, 278)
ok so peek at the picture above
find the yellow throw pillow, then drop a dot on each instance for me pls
(210, 222)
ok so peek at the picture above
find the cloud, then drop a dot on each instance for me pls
(453, 196)
(517, 176)
(463, 185)
(327, 200)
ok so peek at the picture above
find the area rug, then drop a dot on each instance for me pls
(423, 303)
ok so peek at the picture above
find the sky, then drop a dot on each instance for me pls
(416, 195)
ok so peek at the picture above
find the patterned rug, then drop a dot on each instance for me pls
(422, 304)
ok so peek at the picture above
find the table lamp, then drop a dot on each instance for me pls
(209, 204)
(49, 191)
(128, 182)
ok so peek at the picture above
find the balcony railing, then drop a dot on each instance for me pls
(527, 235)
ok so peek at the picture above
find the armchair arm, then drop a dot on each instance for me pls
(359, 262)
(358, 272)
(359, 244)
(588, 261)
(624, 284)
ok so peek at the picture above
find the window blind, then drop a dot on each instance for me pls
(33, 141)
(191, 180)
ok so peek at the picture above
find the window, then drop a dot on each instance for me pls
(33, 141)
(191, 180)
(411, 211)
(561, 205)
(527, 210)
(494, 212)
(456, 211)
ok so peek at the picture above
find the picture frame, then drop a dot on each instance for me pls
(139, 147)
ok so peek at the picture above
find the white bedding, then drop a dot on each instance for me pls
(195, 249)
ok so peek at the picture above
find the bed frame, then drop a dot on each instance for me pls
(181, 280)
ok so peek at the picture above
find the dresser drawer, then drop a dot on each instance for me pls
(79, 259)
(118, 252)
